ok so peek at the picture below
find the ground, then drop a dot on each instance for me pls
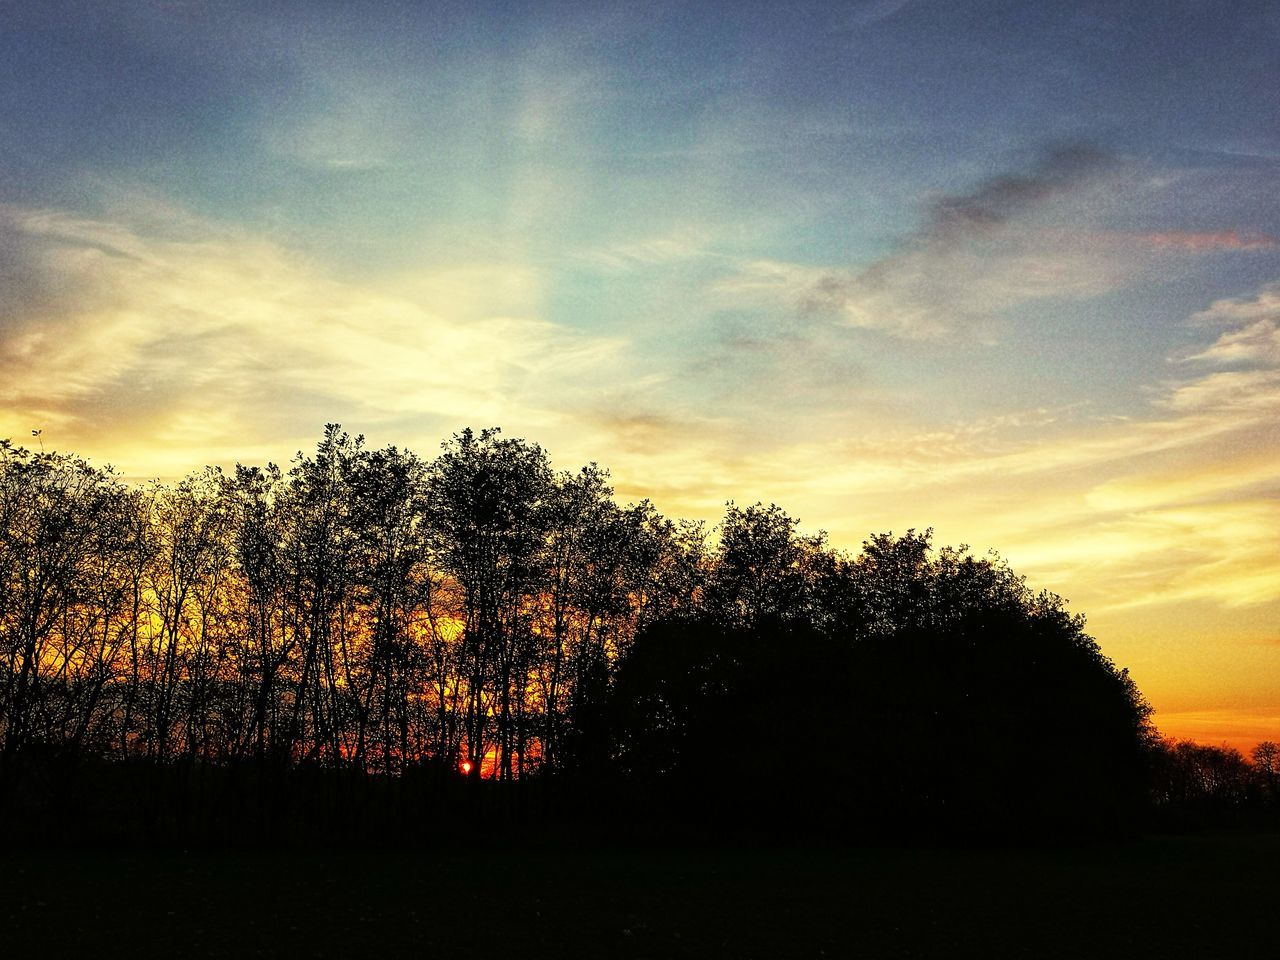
(1197, 897)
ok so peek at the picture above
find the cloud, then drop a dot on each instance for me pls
(653, 251)
(178, 345)
(1061, 170)
(1214, 240)
(1265, 304)
(978, 254)
(973, 257)
(1020, 237)
(161, 342)
(1253, 339)
(1258, 342)
(165, 341)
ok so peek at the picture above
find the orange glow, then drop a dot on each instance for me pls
(465, 766)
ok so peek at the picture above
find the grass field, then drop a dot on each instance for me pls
(1196, 896)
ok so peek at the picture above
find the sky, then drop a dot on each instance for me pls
(1009, 270)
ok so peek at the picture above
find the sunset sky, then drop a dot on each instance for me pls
(1009, 270)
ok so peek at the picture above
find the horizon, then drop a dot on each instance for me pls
(1006, 272)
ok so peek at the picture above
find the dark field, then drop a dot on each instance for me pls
(1201, 897)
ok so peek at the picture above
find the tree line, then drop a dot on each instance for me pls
(483, 615)
(364, 608)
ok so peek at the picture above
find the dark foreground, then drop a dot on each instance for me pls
(1191, 896)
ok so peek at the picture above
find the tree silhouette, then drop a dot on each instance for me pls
(63, 548)
(487, 514)
(369, 617)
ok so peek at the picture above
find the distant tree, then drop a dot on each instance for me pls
(727, 723)
(1266, 757)
(320, 559)
(1266, 765)
(1024, 718)
(669, 566)
(266, 644)
(587, 551)
(1194, 778)
(395, 590)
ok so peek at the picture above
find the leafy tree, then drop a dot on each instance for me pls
(62, 541)
(192, 558)
(487, 518)
(758, 570)
(265, 643)
(395, 587)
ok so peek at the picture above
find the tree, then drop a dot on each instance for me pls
(62, 538)
(1266, 765)
(395, 587)
(758, 568)
(486, 522)
(265, 644)
(189, 527)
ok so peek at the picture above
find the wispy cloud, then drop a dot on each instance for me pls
(1034, 235)
(1252, 339)
(653, 251)
(975, 255)
(1209, 240)
(176, 347)
(998, 201)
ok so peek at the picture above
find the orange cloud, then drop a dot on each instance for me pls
(1232, 728)
(1213, 240)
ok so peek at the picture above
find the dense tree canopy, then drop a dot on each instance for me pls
(902, 683)
(364, 609)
